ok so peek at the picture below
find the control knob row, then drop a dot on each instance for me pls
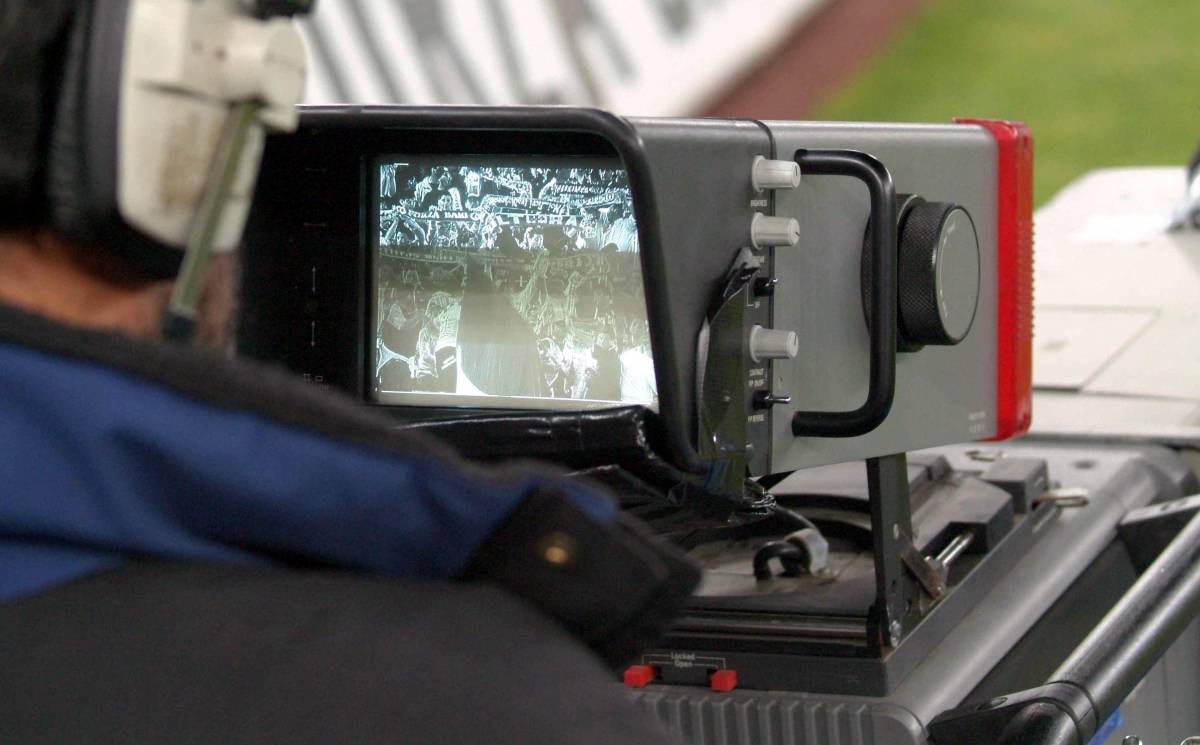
(766, 231)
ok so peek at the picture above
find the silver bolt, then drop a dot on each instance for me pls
(894, 631)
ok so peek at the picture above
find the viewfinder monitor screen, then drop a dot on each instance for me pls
(508, 282)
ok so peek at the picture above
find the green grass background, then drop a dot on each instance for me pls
(1100, 82)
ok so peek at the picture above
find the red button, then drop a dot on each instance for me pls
(723, 681)
(640, 676)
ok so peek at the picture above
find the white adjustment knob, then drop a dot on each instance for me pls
(774, 174)
(772, 344)
(774, 231)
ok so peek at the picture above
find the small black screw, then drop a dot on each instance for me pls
(765, 286)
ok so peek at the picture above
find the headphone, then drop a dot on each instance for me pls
(117, 110)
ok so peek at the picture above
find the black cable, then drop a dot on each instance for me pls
(790, 557)
(795, 517)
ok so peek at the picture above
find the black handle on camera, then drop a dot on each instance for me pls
(882, 386)
(1102, 671)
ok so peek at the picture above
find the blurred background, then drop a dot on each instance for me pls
(1101, 82)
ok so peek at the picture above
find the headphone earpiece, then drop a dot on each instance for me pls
(122, 136)
(82, 157)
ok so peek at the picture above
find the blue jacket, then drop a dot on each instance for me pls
(114, 448)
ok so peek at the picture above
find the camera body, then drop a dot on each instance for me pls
(964, 386)
(765, 324)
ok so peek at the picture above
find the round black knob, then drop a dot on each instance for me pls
(938, 273)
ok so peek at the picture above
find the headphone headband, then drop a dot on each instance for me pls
(32, 44)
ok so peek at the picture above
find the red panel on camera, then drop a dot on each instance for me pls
(1014, 276)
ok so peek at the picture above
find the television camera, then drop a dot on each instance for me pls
(717, 275)
(717, 319)
(686, 310)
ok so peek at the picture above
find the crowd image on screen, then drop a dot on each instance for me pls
(510, 281)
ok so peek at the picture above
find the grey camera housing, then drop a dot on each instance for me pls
(695, 202)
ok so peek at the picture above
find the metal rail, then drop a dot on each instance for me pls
(1102, 671)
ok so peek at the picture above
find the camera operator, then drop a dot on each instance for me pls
(194, 549)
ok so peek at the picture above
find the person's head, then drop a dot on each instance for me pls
(109, 142)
